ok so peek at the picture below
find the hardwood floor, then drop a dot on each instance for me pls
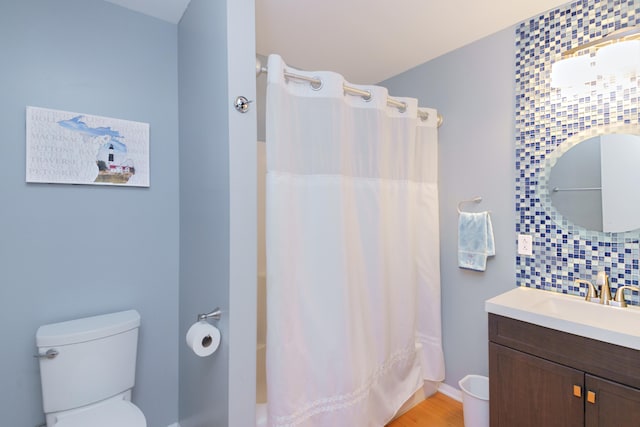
(436, 411)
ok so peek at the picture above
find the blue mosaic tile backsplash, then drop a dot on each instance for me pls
(545, 118)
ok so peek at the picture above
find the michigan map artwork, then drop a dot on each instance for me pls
(74, 148)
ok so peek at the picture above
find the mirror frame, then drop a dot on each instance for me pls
(543, 194)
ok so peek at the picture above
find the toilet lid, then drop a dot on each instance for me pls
(119, 413)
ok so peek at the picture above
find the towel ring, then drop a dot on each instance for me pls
(477, 199)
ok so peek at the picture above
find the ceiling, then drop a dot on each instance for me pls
(367, 41)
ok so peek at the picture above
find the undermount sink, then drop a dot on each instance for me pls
(570, 314)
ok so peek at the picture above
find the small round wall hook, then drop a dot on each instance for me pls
(242, 104)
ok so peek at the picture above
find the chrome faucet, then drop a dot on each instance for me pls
(592, 292)
(605, 292)
(618, 300)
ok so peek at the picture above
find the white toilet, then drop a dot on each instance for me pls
(88, 376)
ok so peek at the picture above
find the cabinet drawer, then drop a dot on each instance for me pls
(620, 364)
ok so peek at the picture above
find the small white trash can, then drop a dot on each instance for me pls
(475, 400)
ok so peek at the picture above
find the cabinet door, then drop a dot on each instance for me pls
(614, 405)
(527, 391)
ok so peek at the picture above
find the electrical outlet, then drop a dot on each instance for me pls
(525, 244)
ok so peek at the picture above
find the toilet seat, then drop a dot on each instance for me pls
(116, 413)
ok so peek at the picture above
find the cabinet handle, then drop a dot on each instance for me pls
(577, 391)
(591, 397)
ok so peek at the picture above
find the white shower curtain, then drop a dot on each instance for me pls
(352, 253)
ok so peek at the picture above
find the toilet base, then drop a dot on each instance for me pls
(117, 410)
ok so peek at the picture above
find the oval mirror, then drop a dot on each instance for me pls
(593, 180)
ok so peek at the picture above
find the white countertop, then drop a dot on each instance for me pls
(571, 314)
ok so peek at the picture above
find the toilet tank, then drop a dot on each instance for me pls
(96, 359)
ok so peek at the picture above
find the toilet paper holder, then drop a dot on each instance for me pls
(215, 315)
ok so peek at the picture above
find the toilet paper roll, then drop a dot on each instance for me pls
(203, 338)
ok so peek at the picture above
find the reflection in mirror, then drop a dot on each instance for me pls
(596, 183)
(575, 184)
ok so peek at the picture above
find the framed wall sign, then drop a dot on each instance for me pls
(74, 148)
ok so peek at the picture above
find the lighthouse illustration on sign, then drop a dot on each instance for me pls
(114, 166)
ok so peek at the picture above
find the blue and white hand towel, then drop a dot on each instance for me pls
(475, 240)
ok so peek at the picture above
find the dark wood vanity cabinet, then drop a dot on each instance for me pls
(543, 377)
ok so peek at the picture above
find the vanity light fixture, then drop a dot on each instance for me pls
(614, 57)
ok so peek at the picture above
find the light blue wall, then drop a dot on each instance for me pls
(204, 201)
(69, 251)
(473, 88)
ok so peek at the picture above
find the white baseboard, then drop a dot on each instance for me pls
(452, 392)
(175, 425)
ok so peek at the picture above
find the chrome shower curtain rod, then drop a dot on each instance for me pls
(365, 94)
